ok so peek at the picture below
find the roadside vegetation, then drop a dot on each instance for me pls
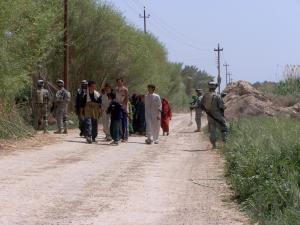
(12, 122)
(263, 166)
(285, 93)
(103, 46)
(290, 86)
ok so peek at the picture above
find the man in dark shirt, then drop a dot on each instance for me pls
(81, 92)
(115, 110)
(91, 110)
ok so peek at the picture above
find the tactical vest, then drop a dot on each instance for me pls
(63, 97)
(210, 102)
(42, 96)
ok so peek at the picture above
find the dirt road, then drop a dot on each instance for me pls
(179, 182)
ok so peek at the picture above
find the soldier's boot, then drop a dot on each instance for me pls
(46, 127)
(224, 136)
(65, 127)
(39, 125)
(59, 131)
(214, 145)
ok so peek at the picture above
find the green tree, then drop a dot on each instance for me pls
(194, 78)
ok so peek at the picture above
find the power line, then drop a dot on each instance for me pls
(138, 3)
(169, 33)
(167, 28)
(176, 33)
(173, 33)
(165, 24)
(160, 27)
(130, 7)
(174, 38)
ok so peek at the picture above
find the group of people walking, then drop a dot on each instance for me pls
(120, 114)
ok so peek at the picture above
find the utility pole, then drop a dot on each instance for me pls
(230, 78)
(66, 45)
(145, 19)
(226, 66)
(219, 50)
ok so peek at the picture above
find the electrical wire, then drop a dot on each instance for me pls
(167, 32)
(130, 7)
(169, 35)
(168, 27)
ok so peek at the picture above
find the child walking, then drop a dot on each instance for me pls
(115, 111)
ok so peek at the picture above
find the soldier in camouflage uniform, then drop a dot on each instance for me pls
(62, 99)
(41, 101)
(198, 110)
(213, 105)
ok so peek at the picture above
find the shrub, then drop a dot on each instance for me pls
(263, 165)
(289, 86)
(12, 122)
(284, 101)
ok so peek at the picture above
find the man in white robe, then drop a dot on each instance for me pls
(153, 115)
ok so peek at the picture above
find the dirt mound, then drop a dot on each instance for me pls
(244, 100)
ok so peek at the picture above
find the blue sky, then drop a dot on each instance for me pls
(259, 37)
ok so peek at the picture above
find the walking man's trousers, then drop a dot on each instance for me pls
(152, 128)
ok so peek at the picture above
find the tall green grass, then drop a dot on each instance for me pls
(13, 123)
(263, 166)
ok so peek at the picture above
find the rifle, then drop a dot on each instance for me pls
(209, 114)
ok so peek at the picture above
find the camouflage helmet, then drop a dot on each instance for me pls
(212, 85)
(224, 94)
(40, 83)
(60, 82)
(84, 82)
(199, 90)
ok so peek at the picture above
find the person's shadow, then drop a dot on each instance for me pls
(198, 150)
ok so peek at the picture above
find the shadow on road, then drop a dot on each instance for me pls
(134, 142)
(80, 142)
(198, 150)
(186, 132)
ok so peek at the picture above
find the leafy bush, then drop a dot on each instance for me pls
(12, 123)
(289, 86)
(263, 165)
(284, 100)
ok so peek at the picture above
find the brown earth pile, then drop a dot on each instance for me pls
(244, 100)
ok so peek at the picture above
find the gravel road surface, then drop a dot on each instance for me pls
(178, 182)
